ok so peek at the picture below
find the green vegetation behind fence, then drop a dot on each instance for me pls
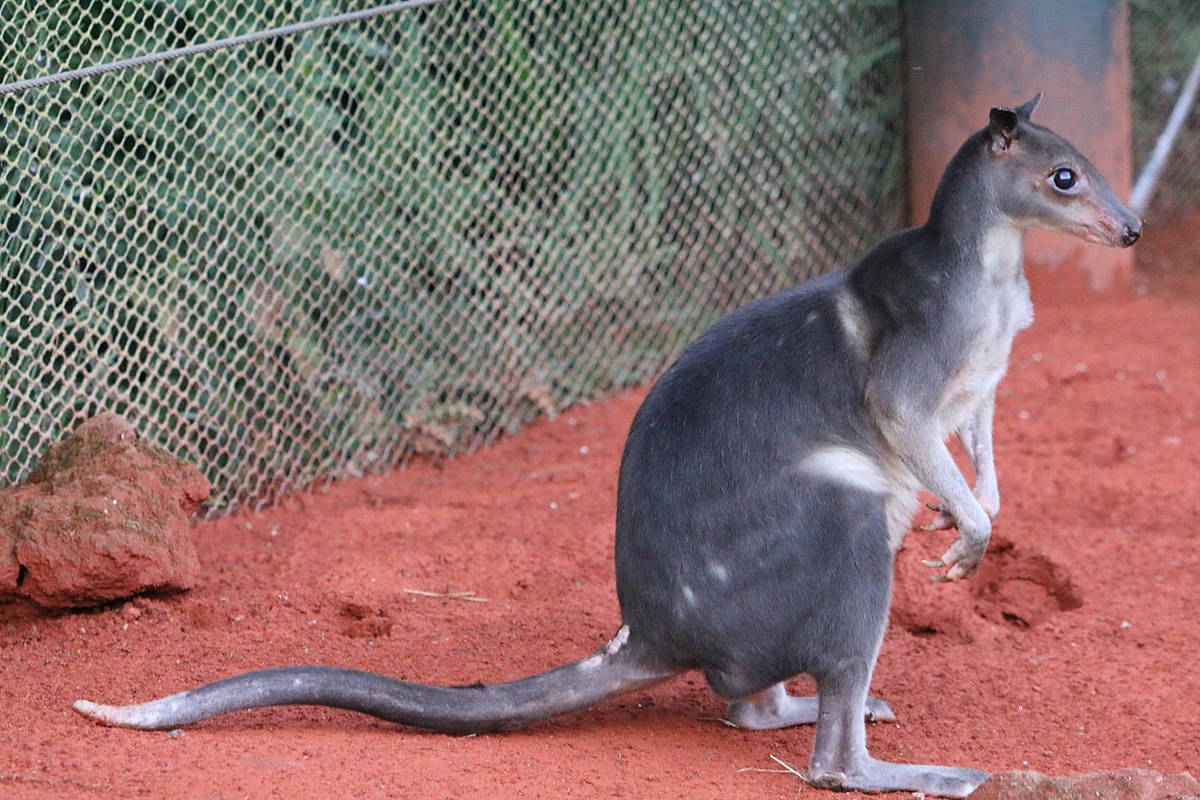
(316, 256)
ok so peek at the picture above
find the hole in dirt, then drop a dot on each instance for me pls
(1022, 588)
(359, 621)
(22, 574)
(1014, 619)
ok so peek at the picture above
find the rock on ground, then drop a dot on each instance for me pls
(1123, 784)
(102, 517)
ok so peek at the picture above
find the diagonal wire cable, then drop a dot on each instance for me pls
(1143, 188)
(219, 44)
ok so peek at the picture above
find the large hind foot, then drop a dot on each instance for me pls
(840, 759)
(775, 708)
(872, 775)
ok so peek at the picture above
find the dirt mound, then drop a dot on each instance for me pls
(1022, 587)
(1016, 586)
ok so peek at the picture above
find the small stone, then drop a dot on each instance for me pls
(1122, 784)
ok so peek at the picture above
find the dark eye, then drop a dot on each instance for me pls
(1064, 179)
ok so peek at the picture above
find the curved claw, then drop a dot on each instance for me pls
(958, 571)
(943, 521)
(963, 559)
(932, 562)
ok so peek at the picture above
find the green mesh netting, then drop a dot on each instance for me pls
(317, 256)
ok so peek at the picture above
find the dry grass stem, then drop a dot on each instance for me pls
(469, 596)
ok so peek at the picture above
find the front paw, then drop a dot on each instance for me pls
(989, 501)
(942, 521)
(966, 554)
(964, 557)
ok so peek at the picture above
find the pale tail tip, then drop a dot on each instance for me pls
(109, 715)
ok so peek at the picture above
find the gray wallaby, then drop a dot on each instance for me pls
(772, 473)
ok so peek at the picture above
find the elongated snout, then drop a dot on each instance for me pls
(1108, 220)
(1093, 213)
(1122, 225)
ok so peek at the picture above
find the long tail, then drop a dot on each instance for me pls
(614, 669)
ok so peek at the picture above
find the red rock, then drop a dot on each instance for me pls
(10, 569)
(1122, 784)
(101, 517)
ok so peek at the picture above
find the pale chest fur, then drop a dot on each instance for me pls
(1001, 307)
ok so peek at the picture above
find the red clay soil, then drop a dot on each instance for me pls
(1075, 650)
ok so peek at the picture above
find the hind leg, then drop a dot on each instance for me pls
(775, 708)
(840, 759)
(851, 628)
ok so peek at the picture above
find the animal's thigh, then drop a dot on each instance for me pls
(819, 596)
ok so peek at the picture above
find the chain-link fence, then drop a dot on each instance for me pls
(1164, 42)
(319, 255)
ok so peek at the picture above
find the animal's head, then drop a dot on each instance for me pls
(1043, 181)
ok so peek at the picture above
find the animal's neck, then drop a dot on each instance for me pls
(1001, 252)
(966, 217)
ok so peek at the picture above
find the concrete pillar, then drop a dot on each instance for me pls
(965, 56)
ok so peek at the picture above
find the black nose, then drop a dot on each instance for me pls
(1132, 234)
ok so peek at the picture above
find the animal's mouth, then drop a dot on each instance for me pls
(1110, 233)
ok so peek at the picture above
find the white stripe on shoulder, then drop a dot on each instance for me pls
(850, 314)
(849, 466)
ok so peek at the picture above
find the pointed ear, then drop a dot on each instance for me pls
(1025, 110)
(1003, 127)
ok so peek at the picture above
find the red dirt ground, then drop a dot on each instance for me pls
(1075, 651)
